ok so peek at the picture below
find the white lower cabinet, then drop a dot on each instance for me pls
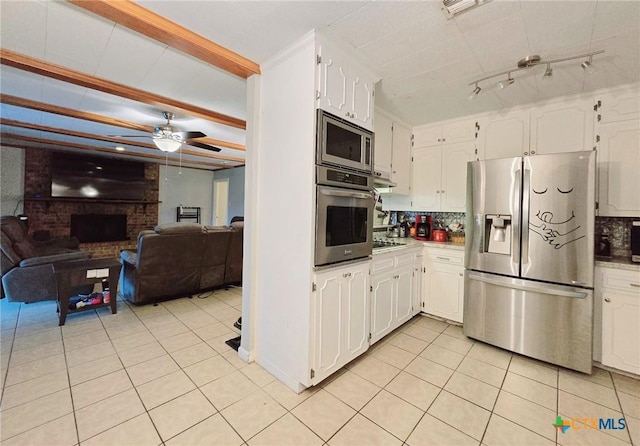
(393, 292)
(443, 283)
(341, 318)
(620, 297)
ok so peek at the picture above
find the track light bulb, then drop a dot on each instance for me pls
(588, 67)
(548, 72)
(506, 83)
(476, 91)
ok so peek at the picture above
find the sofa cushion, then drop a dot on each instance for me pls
(25, 249)
(178, 228)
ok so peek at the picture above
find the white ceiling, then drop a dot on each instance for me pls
(426, 61)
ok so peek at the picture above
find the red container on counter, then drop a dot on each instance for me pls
(439, 235)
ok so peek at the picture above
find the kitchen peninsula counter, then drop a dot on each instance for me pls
(412, 243)
(618, 263)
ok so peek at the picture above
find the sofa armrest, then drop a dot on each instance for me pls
(33, 261)
(130, 257)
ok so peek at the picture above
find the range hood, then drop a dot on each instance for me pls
(381, 179)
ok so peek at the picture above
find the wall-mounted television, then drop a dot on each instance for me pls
(93, 177)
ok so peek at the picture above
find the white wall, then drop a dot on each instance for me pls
(236, 190)
(191, 188)
(11, 180)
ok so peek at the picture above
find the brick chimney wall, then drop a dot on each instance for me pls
(54, 215)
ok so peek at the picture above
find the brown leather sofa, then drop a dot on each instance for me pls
(179, 259)
(27, 265)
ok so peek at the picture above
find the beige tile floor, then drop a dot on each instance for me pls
(155, 375)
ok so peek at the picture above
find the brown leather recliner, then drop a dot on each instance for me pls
(27, 265)
(233, 274)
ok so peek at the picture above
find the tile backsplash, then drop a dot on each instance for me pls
(618, 228)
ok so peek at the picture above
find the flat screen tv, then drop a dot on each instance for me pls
(94, 177)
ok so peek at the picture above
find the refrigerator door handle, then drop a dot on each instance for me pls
(526, 191)
(510, 283)
(515, 230)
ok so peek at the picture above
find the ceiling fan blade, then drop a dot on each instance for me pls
(203, 146)
(190, 135)
(129, 136)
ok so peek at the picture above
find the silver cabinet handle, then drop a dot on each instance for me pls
(606, 299)
(533, 152)
(442, 191)
(443, 258)
(437, 192)
(637, 285)
(460, 274)
(526, 153)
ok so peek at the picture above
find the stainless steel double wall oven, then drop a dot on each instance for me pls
(344, 190)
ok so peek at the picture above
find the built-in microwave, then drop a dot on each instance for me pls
(342, 144)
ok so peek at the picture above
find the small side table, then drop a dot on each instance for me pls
(74, 273)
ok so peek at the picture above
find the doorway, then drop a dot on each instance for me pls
(221, 202)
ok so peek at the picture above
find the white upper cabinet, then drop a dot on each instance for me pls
(451, 132)
(565, 126)
(439, 177)
(345, 86)
(401, 161)
(383, 143)
(619, 105)
(504, 135)
(619, 169)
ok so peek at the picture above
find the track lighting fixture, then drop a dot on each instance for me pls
(532, 61)
(588, 67)
(476, 91)
(505, 84)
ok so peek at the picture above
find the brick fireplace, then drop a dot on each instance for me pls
(54, 214)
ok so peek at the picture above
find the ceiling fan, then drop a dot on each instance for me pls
(169, 139)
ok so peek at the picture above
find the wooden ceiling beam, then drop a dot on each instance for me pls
(6, 137)
(43, 68)
(154, 26)
(119, 141)
(72, 113)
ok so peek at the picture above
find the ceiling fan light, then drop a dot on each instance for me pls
(548, 73)
(167, 144)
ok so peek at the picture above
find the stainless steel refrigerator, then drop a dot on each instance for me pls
(529, 256)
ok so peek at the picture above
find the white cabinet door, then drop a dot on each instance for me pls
(451, 132)
(504, 136)
(357, 317)
(383, 286)
(443, 290)
(417, 284)
(401, 163)
(618, 168)
(453, 193)
(562, 127)
(383, 143)
(427, 136)
(619, 105)
(329, 317)
(621, 330)
(341, 318)
(333, 87)
(361, 91)
(426, 179)
(404, 294)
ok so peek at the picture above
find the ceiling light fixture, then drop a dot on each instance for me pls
(588, 67)
(509, 81)
(166, 144)
(120, 149)
(476, 91)
(165, 136)
(532, 61)
(453, 7)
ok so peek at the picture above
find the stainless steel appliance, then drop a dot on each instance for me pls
(344, 215)
(530, 256)
(635, 241)
(342, 144)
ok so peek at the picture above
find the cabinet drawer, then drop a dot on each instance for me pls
(621, 280)
(382, 262)
(444, 256)
(405, 259)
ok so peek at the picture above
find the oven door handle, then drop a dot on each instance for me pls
(346, 194)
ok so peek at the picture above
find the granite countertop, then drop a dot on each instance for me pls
(618, 263)
(410, 242)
